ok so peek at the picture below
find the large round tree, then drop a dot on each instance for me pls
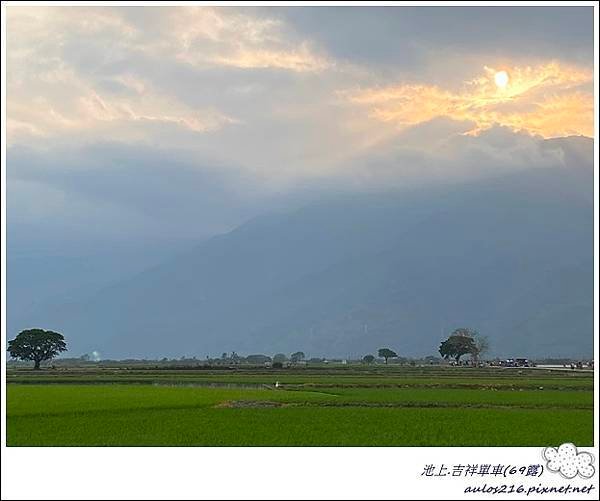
(37, 345)
(461, 342)
(386, 353)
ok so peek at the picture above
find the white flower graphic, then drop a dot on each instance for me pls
(568, 462)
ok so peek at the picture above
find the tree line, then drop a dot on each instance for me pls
(462, 341)
(38, 345)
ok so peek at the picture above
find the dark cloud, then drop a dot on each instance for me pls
(110, 188)
(404, 36)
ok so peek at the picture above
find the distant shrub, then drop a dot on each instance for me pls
(277, 365)
(279, 357)
(258, 359)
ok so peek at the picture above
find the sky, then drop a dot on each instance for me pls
(144, 124)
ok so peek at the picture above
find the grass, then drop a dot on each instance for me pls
(145, 414)
(325, 378)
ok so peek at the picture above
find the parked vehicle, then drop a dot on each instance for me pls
(524, 362)
(517, 362)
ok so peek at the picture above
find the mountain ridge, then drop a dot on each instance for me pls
(352, 273)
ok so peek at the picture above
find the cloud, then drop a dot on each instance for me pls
(548, 100)
(271, 97)
(111, 191)
(300, 59)
(568, 462)
(239, 39)
(440, 152)
(61, 101)
(396, 39)
(111, 72)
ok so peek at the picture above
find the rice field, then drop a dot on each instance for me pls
(398, 406)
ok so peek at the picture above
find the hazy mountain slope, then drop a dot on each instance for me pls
(491, 268)
(511, 256)
(39, 279)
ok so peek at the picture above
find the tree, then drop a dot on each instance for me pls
(257, 359)
(482, 346)
(297, 357)
(459, 343)
(368, 359)
(386, 353)
(37, 345)
(279, 358)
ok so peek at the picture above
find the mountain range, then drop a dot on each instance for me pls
(510, 255)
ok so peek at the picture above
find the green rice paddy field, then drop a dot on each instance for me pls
(350, 406)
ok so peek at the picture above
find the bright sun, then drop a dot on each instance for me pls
(501, 79)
